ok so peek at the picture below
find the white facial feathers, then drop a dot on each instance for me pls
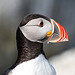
(33, 32)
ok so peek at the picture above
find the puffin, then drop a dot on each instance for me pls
(33, 31)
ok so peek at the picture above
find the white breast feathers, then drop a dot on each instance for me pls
(37, 66)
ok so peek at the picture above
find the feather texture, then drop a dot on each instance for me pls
(37, 66)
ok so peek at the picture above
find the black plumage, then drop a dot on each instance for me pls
(32, 16)
(27, 49)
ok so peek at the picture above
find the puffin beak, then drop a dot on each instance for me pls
(58, 33)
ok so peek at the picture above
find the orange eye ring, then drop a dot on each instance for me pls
(41, 24)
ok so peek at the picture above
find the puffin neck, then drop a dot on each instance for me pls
(27, 50)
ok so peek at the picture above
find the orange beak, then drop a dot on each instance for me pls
(59, 34)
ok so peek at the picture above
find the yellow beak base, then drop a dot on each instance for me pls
(49, 33)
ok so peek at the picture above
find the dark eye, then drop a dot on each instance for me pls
(41, 24)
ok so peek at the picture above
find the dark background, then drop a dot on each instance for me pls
(13, 11)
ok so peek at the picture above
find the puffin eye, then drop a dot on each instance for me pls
(41, 24)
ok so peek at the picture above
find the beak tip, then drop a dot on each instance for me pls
(62, 36)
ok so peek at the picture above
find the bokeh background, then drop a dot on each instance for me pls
(60, 55)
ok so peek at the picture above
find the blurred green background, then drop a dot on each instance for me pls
(13, 11)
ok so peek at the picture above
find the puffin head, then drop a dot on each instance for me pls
(39, 28)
